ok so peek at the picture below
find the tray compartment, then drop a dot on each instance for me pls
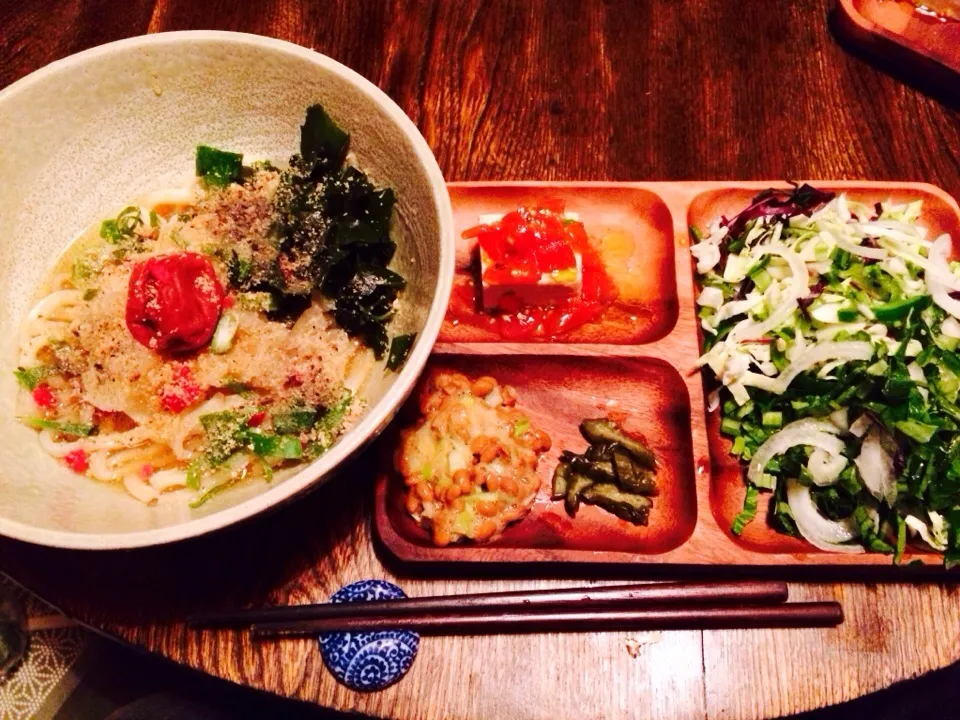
(727, 488)
(939, 209)
(634, 229)
(557, 393)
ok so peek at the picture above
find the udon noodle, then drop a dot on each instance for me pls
(180, 345)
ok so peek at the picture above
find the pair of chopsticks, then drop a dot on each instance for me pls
(655, 606)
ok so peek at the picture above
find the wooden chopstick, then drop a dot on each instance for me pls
(524, 601)
(792, 615)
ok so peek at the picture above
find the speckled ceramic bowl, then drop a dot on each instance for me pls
(80, 138)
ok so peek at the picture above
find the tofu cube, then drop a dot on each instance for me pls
(552, 288)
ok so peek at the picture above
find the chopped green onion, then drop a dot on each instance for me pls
(766, 481)
(67, 428)
(287, 447)
(31, 377)
(749, 511)
(729, 426)
(921, 432)
(739, 445)
(295, 420)
(901, 539)
(772, 419)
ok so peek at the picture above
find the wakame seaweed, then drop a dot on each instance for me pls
(333, 235)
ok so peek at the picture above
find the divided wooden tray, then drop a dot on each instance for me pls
(897, 31)
(645, 370)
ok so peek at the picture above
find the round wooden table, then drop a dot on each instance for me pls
(660, 90)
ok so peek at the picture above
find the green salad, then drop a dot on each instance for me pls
(830, 333)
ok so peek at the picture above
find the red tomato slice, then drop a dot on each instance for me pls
(555, 255)
(494, 244)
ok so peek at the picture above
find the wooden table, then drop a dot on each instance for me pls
(661, 90)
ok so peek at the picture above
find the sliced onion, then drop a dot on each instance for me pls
(821, 532)
(934, 269)
(798, 289)
(893, 229)
(876, 467)
(165, 480)
(864, 252)
(919, 527)
(713, 400)
(707, 255)
(861, 425)
(841, 419)
(938, 289)
(821, 352)
(950, 327)
(825, 468)
(817, 433)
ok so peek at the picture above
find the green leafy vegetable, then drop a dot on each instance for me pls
(749, 512)
(399, 350)
(218, 168)
(322, 140)
(30, 377)
(67, 428)
(297, 419)
(333, 233)
(286, 447)
(334, 415)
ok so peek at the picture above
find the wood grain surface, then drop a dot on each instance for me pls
(659, 90)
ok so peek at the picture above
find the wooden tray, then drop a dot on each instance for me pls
(898, 33)
(652, 380)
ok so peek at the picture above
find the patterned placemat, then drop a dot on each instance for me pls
(38, 686)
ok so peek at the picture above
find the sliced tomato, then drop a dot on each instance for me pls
(555, 254)
(522, 272)
(578, 236)
(494, 244)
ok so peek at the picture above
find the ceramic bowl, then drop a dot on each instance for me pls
(83, 136)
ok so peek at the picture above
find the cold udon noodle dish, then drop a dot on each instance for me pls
(218, 331)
